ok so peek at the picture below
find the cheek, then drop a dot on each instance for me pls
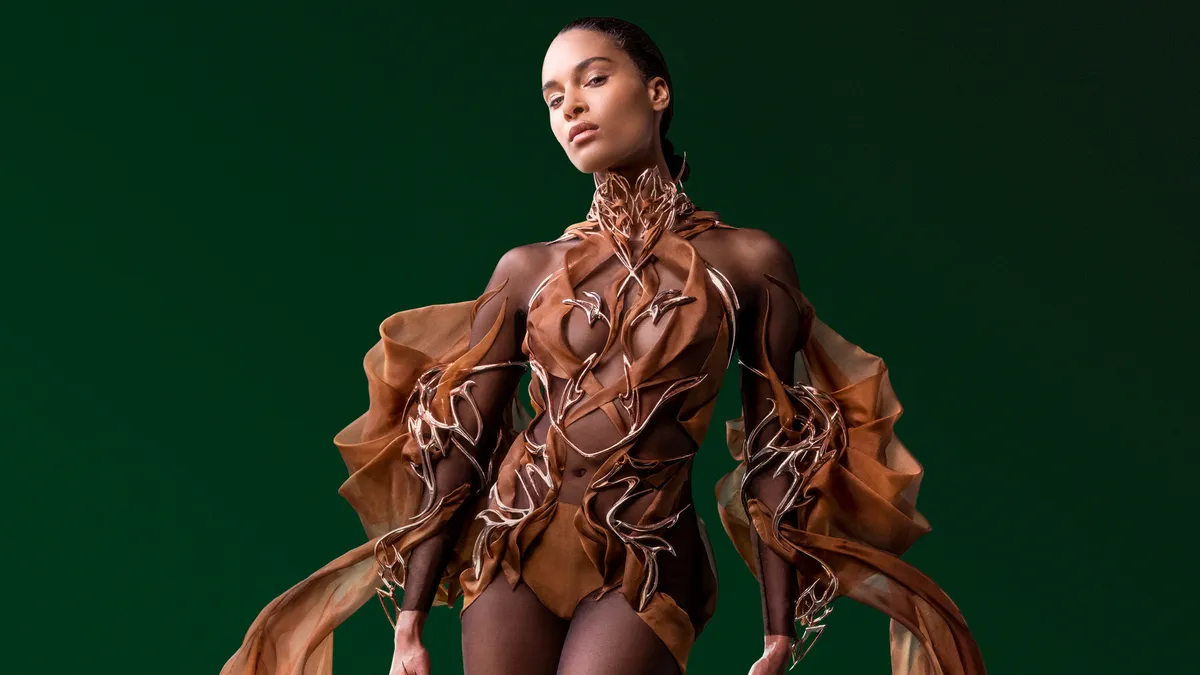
(630, 122)
(558, 127)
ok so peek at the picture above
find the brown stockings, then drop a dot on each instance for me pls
(508, 631)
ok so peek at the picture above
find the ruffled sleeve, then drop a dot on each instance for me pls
(418, 376)
(849, 509)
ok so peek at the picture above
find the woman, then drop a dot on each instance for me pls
(572, 533)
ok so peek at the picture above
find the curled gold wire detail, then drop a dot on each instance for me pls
(435, 439)
(799, 453)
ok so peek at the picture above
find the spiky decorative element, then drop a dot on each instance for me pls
(645, 209)
(798, 453)
(641, 538)
(435, 438)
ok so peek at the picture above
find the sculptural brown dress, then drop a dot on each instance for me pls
(850, 504)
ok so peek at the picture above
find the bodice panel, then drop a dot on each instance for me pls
(636, 326)
(602, 338)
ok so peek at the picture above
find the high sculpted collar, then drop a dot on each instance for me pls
(645, 209)
(651, 203)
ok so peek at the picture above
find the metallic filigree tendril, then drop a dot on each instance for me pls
(663, 301)
(653, 202)
(591, 309)
(643, 539)
(435, 439)
(503, 516)
(626, 216)
(799, 453)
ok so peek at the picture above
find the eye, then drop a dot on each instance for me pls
(595, 80)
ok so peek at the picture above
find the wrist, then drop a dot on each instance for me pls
(777, 648)
(410, 623)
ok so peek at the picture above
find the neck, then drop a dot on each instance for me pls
(634, 168)
(634, 206)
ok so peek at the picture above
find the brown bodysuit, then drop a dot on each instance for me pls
(661, 338)
(630, 336)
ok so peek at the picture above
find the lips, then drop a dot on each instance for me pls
(580, 128)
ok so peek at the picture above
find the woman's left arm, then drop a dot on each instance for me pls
(774, 328)
(824, 502)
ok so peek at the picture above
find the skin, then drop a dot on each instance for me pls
(586, 78)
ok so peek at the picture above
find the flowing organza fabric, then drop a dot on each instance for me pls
(864, 514)
(293, 635)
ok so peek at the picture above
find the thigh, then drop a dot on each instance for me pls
(607, 637)
(507, 631)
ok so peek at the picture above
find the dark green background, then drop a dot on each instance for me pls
(208, 208)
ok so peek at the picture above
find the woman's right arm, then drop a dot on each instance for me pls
(497, 331)
(459, 429)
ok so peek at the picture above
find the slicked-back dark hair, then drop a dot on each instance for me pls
(650, 63)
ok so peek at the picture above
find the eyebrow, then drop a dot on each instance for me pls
(578, 67)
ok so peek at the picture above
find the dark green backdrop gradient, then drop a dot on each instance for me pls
(208, 208)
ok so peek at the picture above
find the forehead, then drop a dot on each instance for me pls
(574, 46)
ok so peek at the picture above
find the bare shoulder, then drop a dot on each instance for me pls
(744, 254)
(762, 249)
(519, 259)
(525, 266)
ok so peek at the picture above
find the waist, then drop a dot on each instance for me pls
(660, 450)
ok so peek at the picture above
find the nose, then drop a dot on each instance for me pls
(573, 107)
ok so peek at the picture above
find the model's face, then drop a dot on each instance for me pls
(588, 82)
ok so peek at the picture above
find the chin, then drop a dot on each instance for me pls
(592, 158)
(589, 167)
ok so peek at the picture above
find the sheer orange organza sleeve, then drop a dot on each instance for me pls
(853, 495)
(414, 372)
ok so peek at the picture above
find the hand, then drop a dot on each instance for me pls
(774, 660)
(410, 656)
